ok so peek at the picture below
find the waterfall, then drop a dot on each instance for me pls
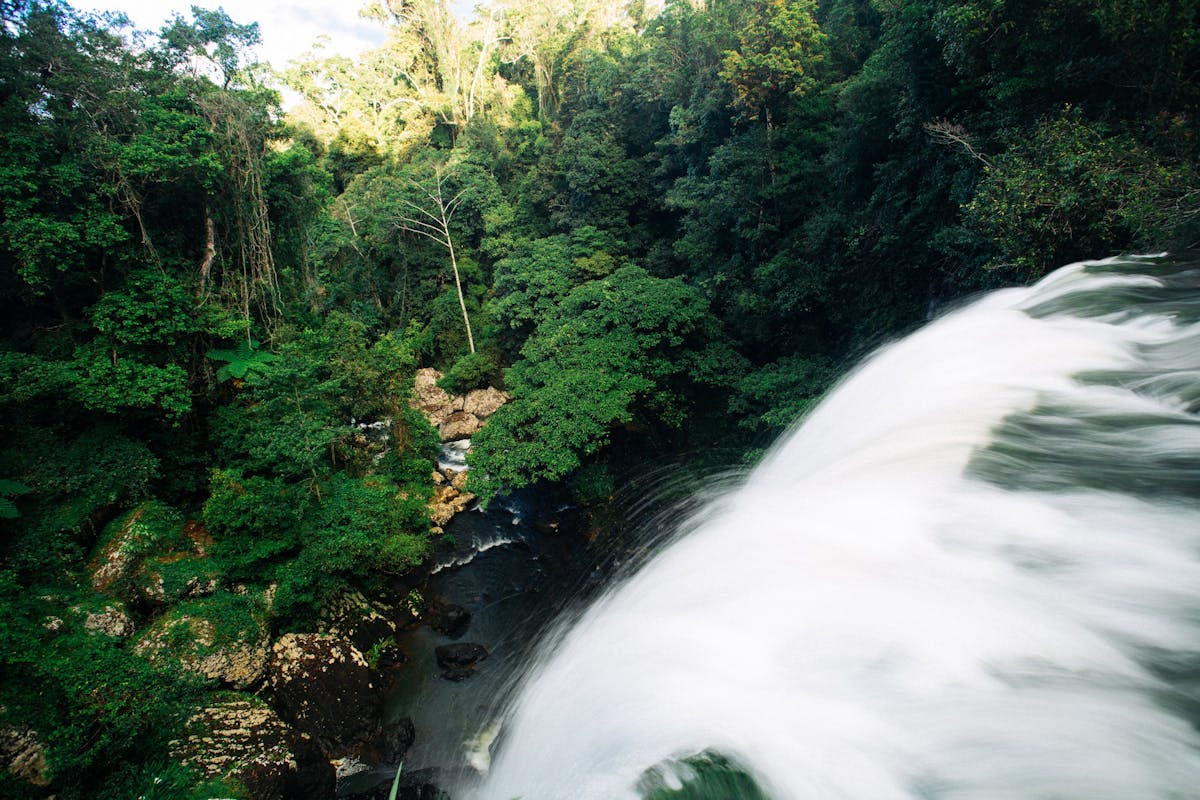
(973, 571)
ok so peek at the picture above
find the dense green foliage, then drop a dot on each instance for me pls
(654, 224)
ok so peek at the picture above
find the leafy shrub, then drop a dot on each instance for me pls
(472, 371)
(591, 483)
(92, 702)
(253, 519)
(360, 531)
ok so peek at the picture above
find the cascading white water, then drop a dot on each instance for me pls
(972, 572)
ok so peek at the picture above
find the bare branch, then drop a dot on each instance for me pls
(423, 228)
(417, 207)
(452, 206)
(943, 131)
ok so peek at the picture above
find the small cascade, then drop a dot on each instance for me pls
(453, 455)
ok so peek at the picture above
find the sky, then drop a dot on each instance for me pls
(288, 28)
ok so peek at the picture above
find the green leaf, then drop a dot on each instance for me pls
(9, 488)
(243, 361)
(396, 783)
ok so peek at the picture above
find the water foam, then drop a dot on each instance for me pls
(973, 572)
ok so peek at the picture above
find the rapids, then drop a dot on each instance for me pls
(972, 572)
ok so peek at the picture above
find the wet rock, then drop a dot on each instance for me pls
(23, 756)
(390, 657)
(546, 525)
(397, 738)
(449, 619)
(323, 686)
(448, 501)
(348, 767)
(365, 623)
(460, 654)
(111, 621)
(315, 776)
(459, 425)
(457, 674)
(240, 738)
(421, 784)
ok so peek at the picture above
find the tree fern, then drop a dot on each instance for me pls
(246, 363)
(8, 490)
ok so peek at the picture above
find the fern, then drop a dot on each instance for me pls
(9, 489)
(246, 363)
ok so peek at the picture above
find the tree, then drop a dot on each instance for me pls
(430, 215)
(621, 350)
(212, 37)
(1073, 188)
(778, 49)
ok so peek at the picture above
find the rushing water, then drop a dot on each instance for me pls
(972, 572)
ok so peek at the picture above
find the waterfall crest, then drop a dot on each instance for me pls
(972, 572)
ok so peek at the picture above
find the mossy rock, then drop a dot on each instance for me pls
(240, 740)
(23, 755)
(224, 637)
(153, 556)
(166, 579)
(152, 527)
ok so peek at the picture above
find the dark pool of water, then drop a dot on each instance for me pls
(516, 568)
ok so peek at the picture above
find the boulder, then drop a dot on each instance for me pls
(459, 425)
(484, 402)
(324, 687)
(546, 525)
(460, 654)
(241, 739)
(224, 638)
(23, 756)
(458, 480)
(419, 785)
(432, 400)
(110, 621)
(151, 555)
(163, 580)
(123, 544)
(455, 416)
(416, 784)
(449, 619)
(396, 739)
(350, 615)
(390, 657)
(448, 501)
(457, 674)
